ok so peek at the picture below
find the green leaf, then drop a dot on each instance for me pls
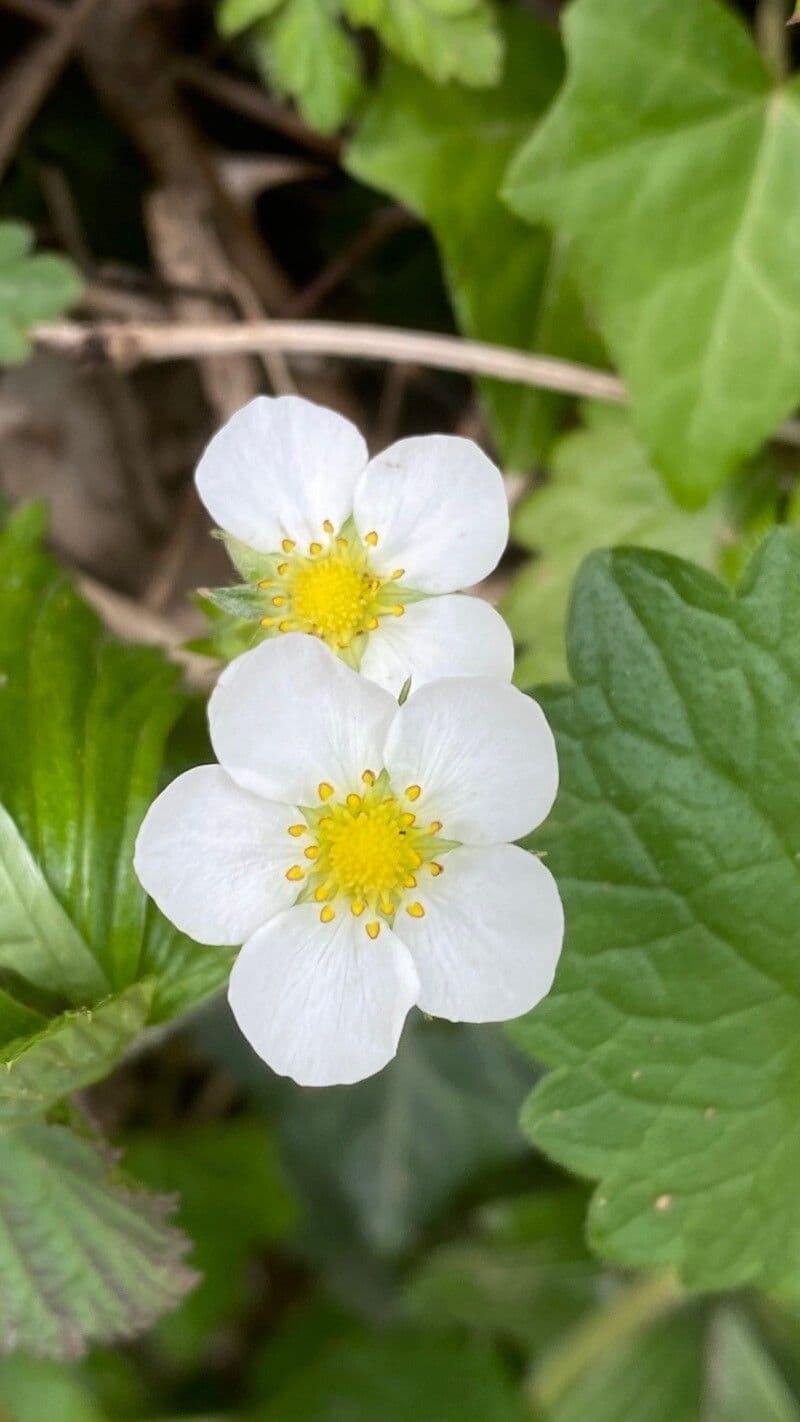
(234, 1200)
(84, 723)
(72, 1052)
(442, 153)
(32, 288)
(601, 491)
(38, 942)
(83, 1254)
(32, 1389)
(746, 1384)
(241, 600)
(678, 184)
(657, 1377)
(304, 52)
(234, 16)
(458, 40)
(674, 1020)
(395, 1378)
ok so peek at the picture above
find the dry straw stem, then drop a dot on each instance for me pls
(133, 343)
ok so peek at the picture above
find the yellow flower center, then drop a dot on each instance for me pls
(367, 852)
(331, 591)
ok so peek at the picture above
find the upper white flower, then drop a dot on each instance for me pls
(366, 555)
(358, 849)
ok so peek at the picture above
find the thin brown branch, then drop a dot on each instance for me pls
(130, 344)
(40, 12)
(26, 86)
(254, 104)
(372, 235)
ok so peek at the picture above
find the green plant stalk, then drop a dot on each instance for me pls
(631, 1311)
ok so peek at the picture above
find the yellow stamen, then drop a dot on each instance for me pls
(415, 910)
(373, 929)
(324, 790)
(407, 819)
(285, 626)
(413, 792)
(369, 777)
(322, 893)
(353, 801)
(327, 914)
(371, 538)
(398, 573)
(265, 583)
(409, 882)
(416, 859)
(287, 545)
(435, 868)
(314, 549)
(398, 610)
(434, 826)
(283, 569)
(328, 526)
(296, 831)
(387, 906)
(295, 873)
(279, 601)
(371, 624)
(312, 852)
(357, 908)
(342, 543)
(267, 621)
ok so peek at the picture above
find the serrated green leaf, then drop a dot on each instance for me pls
(234, 1200)
(38, 942)
(458, 41)
(395, 1378)
(601, 491)
(32, 288)
(304, 52)
(678, 183)
(442, 152)
(70, 1053)
(673, 1023)
(83, 1254)
(84, 723)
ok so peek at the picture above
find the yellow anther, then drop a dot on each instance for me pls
(434, 826)
(409, 882)
(407, 819)
(371, 624)
(398, 573)
(328, 526)
(386, 906)
(398, 610)
(266, 583)
(279, 601)
(373, 929)
(353, 801)
(357, 908)
(435, 868)
(371, 538)
(312, 852)
(295, 873)
(287, 545)
(342, 543)
(369, 777)
(314, 549)
(324, 790)
(413, 792)
(267, 621)
(285, 626)
(415, 910)
(374, 584)
(296, 831)
(327, 914)
(283, 569)
(416, 859)
(325, 821)
(322, 893)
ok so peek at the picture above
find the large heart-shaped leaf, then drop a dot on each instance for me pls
(676, 173)
(674, 1023)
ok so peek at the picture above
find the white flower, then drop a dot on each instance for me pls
(359, 850)
(366, 555)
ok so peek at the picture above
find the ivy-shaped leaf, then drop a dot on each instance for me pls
(33, 287)
(83, 1253)
(601, 491)
(678, 181)
(442, 152)
(674, 1023)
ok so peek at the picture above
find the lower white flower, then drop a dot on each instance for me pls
(359, 850)
(366, 555)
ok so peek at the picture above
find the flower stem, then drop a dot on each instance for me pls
(630, 1311)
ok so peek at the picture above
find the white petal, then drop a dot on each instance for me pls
(214, 857)
(438, 506)
(490, 940)
(322, 1003)
(278, 469)
(452, 635)
(483, 754)
(290, 714)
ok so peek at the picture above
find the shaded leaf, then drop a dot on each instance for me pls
(33, 287)
(458, 40)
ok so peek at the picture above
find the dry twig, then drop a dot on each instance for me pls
(35, 74)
